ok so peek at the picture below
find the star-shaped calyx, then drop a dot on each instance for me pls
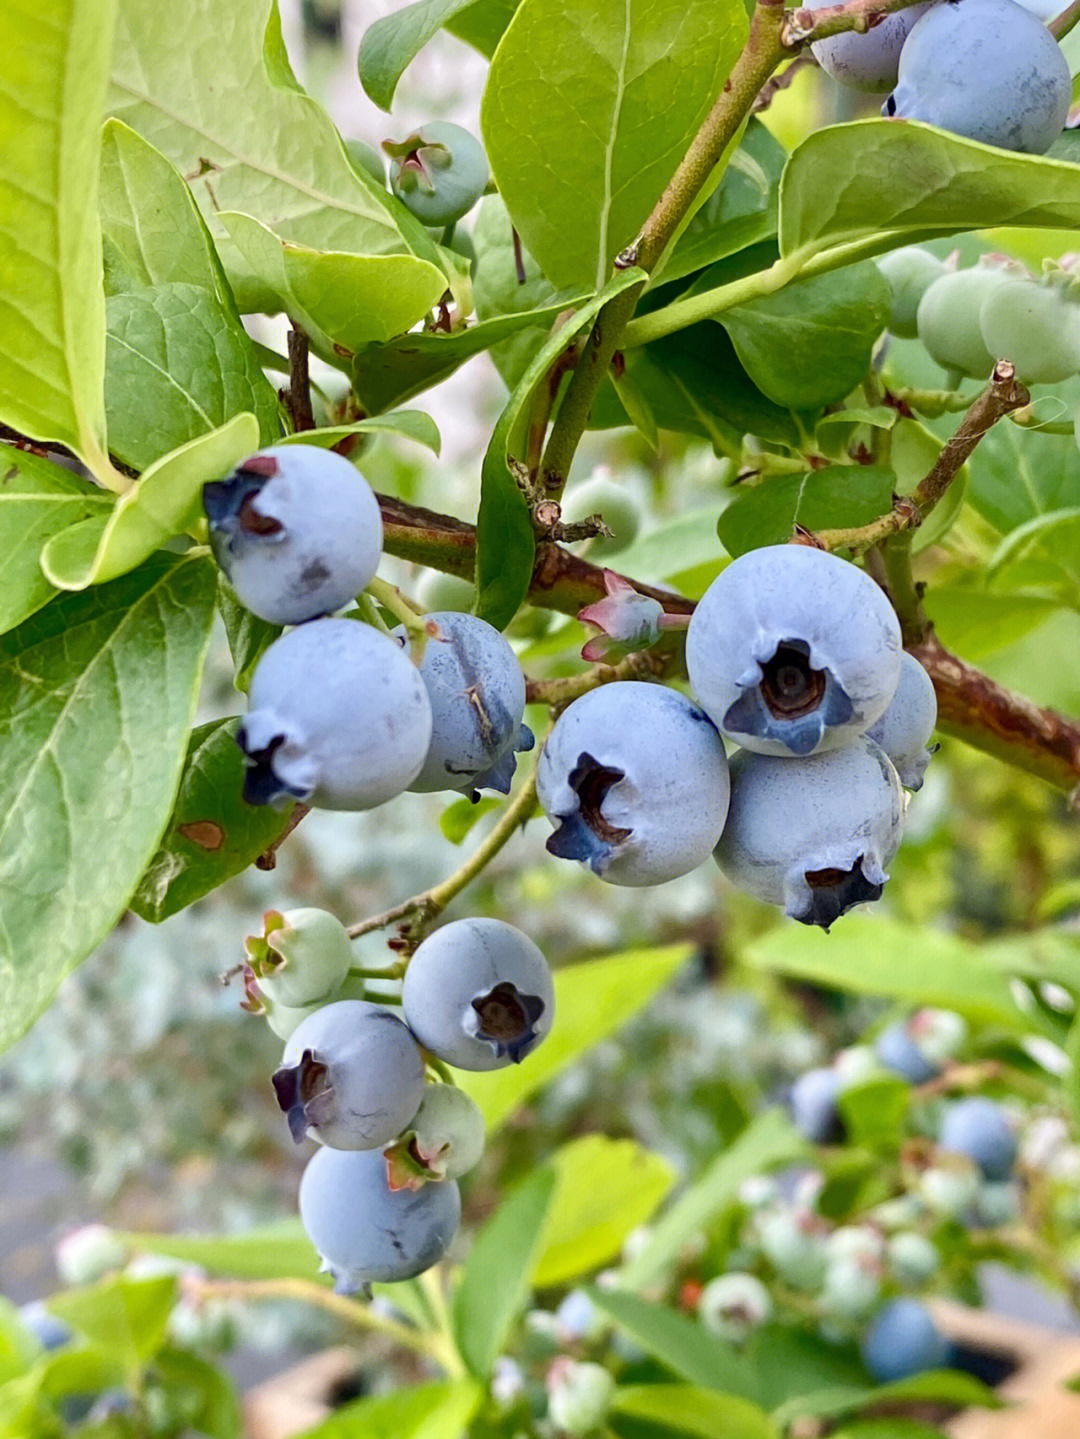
(507, 1019)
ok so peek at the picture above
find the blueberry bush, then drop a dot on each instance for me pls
(783, 496)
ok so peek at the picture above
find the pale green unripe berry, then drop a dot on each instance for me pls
(1036, 325)
(734, 1305)
(439, 172)
(579, 1396)
(87, 1254)
(852, 1287)
(948, 319)
(616, 506)
(302, 956)
(909, 273)
(444, 1140)
(913, 1258)
(949, 1188)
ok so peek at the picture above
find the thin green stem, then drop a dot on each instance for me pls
(403, 609)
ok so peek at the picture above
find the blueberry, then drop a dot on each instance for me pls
(792, 651)
(444, 1139)
(903, 1341)
(477, 694)
(338, 717)
(813, 1106)
(852, 1286)
(439, 172)
(579, 1397)
(616, 505)
(302, 956)
(297, 531)
(793, 1242)
(948, 317)
(364, 1231)
(985, 69)
(734, 1305)
(866, 61)
(815, 836)
(1036, 325)
(909, 272)
(904, 730)
(634, 778)
(351, 1076)
(913, 1258)
(50, 1332)
(898, 1049)
(478, 994)
(979, 1128)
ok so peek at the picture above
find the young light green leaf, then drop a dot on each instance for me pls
(483, 23)
(97, 696)
(592, 1000)
(1018, 474)
(177, 365)
(164, 503)
(275, 155)
(768, 1141)
(1043, 553)
(672, 1409)
(270, 1251)
(408, 424)
(386, 375)
(152, 231)
(874, 184)
(505, 542)
(944, 1386)
(809, 344)
(459, 817)
(393, 42)
(496, 1282)
(212, 834)
(579, 179)
(128, 1316)
(841, 495)
(343, 300)
(424, 1411)
(606, 1189)
(52, 309)
(211, 1405)
(37, 500)
(684, 1345)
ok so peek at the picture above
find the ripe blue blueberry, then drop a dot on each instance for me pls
(909, 273)
(367, 1233)
(815, 836)
(813, 1106)
(866, 61)
(979, 1128)
(351, 1077)
(904, 730)
(478, 994)
(902, 1341)
(338, 717)
(897, 1048)
(439, 172)
(792, 651)
(297, 531)
(477, 694)
(50, 1332)
(634, 778)
(985, 69)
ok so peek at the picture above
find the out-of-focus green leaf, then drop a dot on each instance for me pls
(592, 1000)
(426, 1411)
(1018, 475)
(874, 1112)
(1044, 553)
(203, 1394)
(406, 424)
(684, 1345)
(837, 497)
(128, 1316)
(495, 1285)
(273, 1251)
(645, 1410)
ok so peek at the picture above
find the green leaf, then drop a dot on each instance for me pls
(975, 622)
(589, 109)
(249, 637)
(37, 500)
(592, 1000)
(1017, 475)
(164, 503)
(874, 1112)
(1043, 553)
(768, 1141)
(458, 818)
(426, 1411)
(505, 543)
(272, 1251)
(890, 1429)
(944, 1386)
(127, 1316)
(274, 155)
(392, 43)
(212, 834)
(833, 498)
(178, 365)
(496, 1282)
(606, 1189)
(97, 696)
(151, 228)
(684, 1345)
(202, 1396)
(913, 453)
(665, 1409)
(52, 308)
(874, 184)
(407, 424)
(483, 23)
(344, 301)
(18, 1346)
(882, 956)
(810, 343)
(386, 375)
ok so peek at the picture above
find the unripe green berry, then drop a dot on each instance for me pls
(444, 1140)
(909, 272)
(619, 509)
(1036, 325)
(579, 1396)
(301, 957)
(913, 1258)
(948, 319)
(734, 1305)
(439, 172)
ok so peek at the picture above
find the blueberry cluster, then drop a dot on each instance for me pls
(379, 1198)
(989, 70)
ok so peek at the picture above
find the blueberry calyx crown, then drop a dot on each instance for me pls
(507, 1019)
(303, 1093)
(834, 891)
(417, 158)
(587, 835)
(790, 701)
(262, 785)
(229, 504)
